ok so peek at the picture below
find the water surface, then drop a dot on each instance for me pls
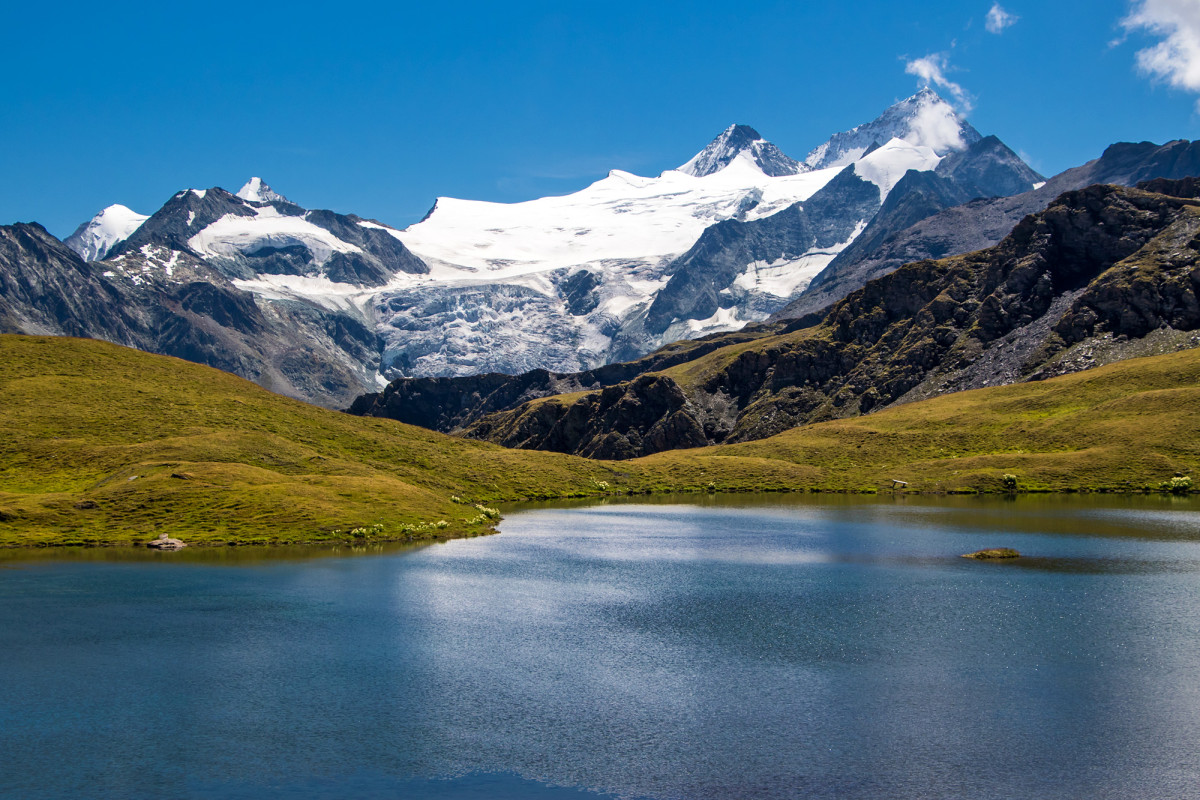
(795, 647)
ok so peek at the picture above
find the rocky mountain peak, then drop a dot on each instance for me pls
(257, 191)
(923, 119)
(732, 143)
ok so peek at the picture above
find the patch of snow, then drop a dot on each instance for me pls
(923, 120)
(317, 290)
(199, 192)
(786, 278)
(191, 218)
(726, 319)
(1038, 185)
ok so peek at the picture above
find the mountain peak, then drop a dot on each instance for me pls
(732, 143)
(923, 119)
(257, 191)
(95, 238)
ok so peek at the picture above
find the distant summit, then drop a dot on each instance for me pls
(95, 238)
(256, 191)
(923, 119)
(743, 141)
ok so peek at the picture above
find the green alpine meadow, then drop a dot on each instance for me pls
(105, 445)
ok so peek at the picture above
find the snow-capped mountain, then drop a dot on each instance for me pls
(93, 239)
(562, 283)
(261, 287)
(923, 119)
(503, 292)
(742, 141)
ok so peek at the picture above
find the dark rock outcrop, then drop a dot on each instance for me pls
(451, 404)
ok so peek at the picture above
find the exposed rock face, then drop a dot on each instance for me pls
(992, 554)
(942, 227)
(1101, 265)
(646, 415)
(702, 277)
(742, 140)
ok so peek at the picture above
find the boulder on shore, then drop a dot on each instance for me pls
(164, 542)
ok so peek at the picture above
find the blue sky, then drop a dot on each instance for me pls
(378, 108)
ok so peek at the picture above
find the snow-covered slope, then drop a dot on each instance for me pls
(93, 239)
(620, 217)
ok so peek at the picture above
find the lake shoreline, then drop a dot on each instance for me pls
(515, 506)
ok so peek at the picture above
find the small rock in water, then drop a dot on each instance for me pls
(164, 542)
(994, 552)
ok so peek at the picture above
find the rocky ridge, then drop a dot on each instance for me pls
(938, 223)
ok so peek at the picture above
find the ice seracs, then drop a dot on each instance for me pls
(95, 238)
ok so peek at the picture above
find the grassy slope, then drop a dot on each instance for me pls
(81, 418)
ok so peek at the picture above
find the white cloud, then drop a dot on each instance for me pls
(998, 19)
(1176, 59)
(932, 69)
(936, 126)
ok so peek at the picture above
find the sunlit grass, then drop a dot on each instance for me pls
(106, 445)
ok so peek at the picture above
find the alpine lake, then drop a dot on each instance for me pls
(809, 646)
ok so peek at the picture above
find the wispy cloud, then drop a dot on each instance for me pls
(998, 19)
(1176, 59)
(932, 70)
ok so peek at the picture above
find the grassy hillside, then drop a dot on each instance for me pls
(102, 444)
(94, 433)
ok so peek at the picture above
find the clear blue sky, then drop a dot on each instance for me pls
(378, 108)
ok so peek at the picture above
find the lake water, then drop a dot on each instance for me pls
(795, 648)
